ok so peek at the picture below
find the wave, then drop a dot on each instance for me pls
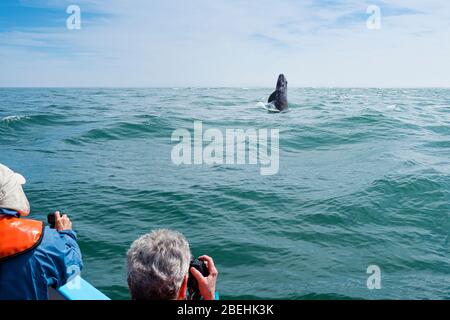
(38, 119)
(152, 127)
(9, 119)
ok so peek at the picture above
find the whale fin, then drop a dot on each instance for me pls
(272, 97)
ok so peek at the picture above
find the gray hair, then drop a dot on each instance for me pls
(157, 264)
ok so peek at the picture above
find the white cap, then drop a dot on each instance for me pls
(11, 193)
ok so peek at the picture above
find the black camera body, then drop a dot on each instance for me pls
(51, 220)
(200, 265)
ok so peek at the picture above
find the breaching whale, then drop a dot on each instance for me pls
(279, 96)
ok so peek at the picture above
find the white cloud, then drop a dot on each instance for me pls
(234, 43)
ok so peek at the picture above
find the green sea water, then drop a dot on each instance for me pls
(364, 180)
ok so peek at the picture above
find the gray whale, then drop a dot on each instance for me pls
(279, 96)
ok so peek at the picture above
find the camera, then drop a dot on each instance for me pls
(193, 289)
(51, 220)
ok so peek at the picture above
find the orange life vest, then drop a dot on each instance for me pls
(18, 235)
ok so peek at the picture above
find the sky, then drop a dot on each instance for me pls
(224, 43)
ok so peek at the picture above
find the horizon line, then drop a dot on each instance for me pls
(222, 87)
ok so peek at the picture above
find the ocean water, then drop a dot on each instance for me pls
(364, 180)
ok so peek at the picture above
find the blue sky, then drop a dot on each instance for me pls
(225, 43)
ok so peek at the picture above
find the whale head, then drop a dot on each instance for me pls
(282, 83)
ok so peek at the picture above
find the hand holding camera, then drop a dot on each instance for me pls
(58, 222)
(202, 279)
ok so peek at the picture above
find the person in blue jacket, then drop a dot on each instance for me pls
(32, 257)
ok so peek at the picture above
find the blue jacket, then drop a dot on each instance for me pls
(50, 264)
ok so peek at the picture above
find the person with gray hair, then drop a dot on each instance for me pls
(158, 268)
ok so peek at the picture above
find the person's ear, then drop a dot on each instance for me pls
(183, 289)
